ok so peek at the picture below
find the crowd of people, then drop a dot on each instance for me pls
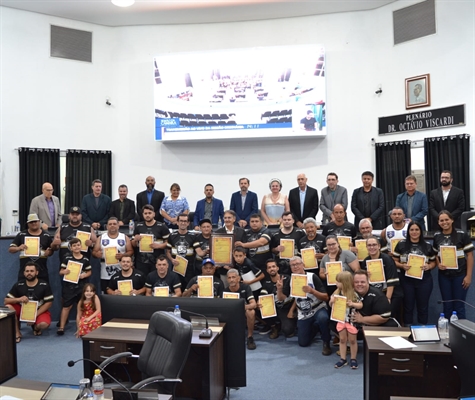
(383, 278)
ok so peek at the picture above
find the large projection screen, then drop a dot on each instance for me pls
(269, 92)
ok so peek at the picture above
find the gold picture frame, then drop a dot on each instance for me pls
(418, 91)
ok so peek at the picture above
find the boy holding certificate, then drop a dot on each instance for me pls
(75, 269)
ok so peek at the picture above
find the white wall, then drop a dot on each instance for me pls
(56, 103)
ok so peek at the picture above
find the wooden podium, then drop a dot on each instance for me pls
(8, 360)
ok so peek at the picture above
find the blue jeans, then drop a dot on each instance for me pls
(417, 293)
(307, 328)
(451, 289)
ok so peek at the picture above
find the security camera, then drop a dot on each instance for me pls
(379, 91)
(108, 102)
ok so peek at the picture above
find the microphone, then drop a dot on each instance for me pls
(132, 396)
(206, 333)
(451, 301)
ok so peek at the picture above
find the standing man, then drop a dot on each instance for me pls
(30, 288)
(152, 197)
(95, 206)
(47, 207)
(368, 202)
(127, 272)
(447, 197)
(244, 203)
(413, 203)
(303, 201)
(40, 254)
(330, 196)
(339, 226)
(395, 232)
(209, 208)
(123, 208)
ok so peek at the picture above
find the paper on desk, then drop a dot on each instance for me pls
(397, 342)
(9, 398)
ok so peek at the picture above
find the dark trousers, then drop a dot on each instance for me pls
(287, 325)
(417, 293)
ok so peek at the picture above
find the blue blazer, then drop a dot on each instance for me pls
(217, 212)
(420, 207)
(250, 206)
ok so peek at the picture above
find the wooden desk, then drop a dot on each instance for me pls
(203, 374)
(8, 359)
(423, 371)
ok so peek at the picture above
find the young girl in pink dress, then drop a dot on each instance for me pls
(89, 311)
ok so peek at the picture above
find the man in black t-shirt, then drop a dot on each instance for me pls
(208, 269)
(309, 122)
(340, 227)
(127, 272)
(162, 277)
(313, 240)
(201, 244)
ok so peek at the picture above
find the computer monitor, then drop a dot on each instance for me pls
(462, 343)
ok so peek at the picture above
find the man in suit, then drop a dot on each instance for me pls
(303, 201)
(368, 202)
(123, 208)
(47, 207)
(244, 203)
(152, 197)
(413, 203)
(332, 195)
(95, 206)
(447, 197)
(209, 208)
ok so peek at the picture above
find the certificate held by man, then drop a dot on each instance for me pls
(110, 255)
(362, 249)
(205, 287)
(308, 258)
(145, 243)
(268, 309)
(182, 265)
(296, 284)
(28, 311)
(32, 244)
(289, 248)
(221, 248)
(344, 242)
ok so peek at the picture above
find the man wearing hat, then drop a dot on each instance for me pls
(69, 230)
(34, 245)
(207, 269)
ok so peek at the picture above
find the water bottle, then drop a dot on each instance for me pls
(177, 311)
(98, 385)
(131, 227)
(454, 317)
(85, 391)
(443, 326)
(17, 227)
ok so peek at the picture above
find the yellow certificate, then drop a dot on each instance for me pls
(32, 246)
(230, 295)
(344, 242)
(333, 269)
(161, 291)
(394, 243)
(145, 242)
(448, 257)
(375, 270)
(182, 265)
(339, 309)
(289, 248)
(308, 258)
(221, 249)
(109, 256)
(83, 237)
(296, 284)
(74, 272)
(268, 306)
(415, 263)
(28, 311)
(205, 286)
(362, 249)
(125, 287)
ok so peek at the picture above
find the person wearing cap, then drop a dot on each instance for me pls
(47, 207)
(209, 208)
(201, 244)
(95, 206)
(37, 255)
(208, 268)
(69, 230)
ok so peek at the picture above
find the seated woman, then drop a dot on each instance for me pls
(274, 204)
(174, 205)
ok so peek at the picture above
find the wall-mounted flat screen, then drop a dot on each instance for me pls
(269, 92)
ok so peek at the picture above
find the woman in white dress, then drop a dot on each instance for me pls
(274, 204)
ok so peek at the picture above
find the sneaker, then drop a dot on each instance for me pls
(274, 334)
(265, 330)
(326, 349)
(291, 335)
(251, 345)
(353, 364)
(341, 363)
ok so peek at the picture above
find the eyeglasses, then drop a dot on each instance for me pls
(295, 264)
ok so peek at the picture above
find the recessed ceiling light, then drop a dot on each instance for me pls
(123, 3)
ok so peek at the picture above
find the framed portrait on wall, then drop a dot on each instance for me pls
(418, 91)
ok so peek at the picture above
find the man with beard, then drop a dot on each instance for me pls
(244, 203)
(207, 269)
(145, 260)
(288, 231)
(180, 243)
(312, 240)
(201, 244)
(30, 288)
(150, 196)
(162, 277)
(339, 226)
(330, 196)
(95, 206)
(368, 202)
(395, 232)
(118, 243)
(365, 232)
(123, 208)
(127, 272)
(447, 197)
(209, 208)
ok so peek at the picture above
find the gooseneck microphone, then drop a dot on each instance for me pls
(206, 333)
(118, 355)
(451, 301)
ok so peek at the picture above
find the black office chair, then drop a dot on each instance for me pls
(164, 353)
(464, 224)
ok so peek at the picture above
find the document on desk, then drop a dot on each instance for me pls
(397, 342)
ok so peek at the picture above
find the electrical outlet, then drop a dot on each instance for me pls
(15, 213)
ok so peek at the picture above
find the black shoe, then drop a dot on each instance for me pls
(251, 345)
(326, 349)
(60, 332)
(274, 334)
(265, 330)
